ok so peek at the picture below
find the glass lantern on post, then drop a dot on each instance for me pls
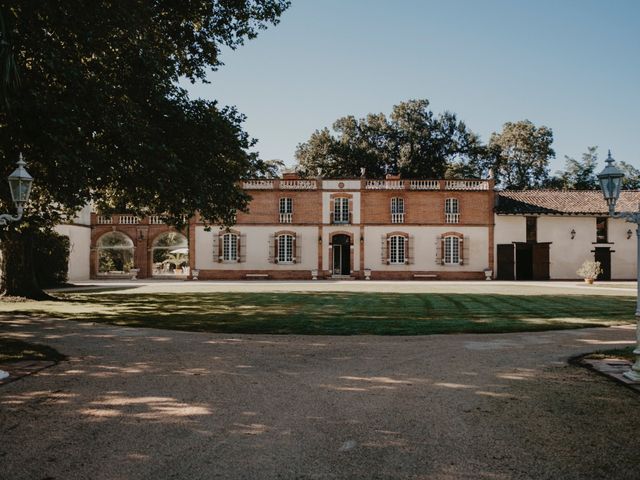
(611, 183)
(20, 185)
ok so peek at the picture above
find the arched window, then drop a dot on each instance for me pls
(285, 248)
(229, 247)
(397, 248)
(451, 252)
(115, 253)
(170, 254)
(397, 254)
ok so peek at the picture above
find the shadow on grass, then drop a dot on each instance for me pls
(341, 313)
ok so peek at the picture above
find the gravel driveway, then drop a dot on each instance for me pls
(158, 404)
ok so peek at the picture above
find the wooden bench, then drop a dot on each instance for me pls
(256, 275)
(425, 275)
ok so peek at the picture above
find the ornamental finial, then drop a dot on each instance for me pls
(21, 161)
(610, 159)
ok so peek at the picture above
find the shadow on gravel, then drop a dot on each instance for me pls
(140, 402)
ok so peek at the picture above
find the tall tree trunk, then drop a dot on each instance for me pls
(17, 272)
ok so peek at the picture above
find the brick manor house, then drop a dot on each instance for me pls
(392, 229)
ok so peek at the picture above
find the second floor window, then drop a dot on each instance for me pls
(286, 210)
(452, 210)
(230, 247)
(285, 249)
(601, 230)
(397, 254)
(341, 210)
(397, 210)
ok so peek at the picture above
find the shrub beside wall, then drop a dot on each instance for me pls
(51, 258)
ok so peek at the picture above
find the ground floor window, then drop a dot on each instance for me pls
(397, 250)
(285, 249)
(230, 247)
(115, 254)
(451, 250)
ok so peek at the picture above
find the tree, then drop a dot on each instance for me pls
(413, 142)
(100, 117)
(424, 144)
(521, 154)
(358, 145)
(273, 168)
(579, 174)
(477, 161)
(631, 180)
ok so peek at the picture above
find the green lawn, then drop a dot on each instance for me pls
(624, 353)
(338, 313)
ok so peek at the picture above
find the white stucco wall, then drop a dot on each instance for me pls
(509, 229)
(623, 258)
(426, 240)
(257, 249)
(83, 216)
(566, 255)
(79, 251)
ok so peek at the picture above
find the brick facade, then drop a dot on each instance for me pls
(312, 223)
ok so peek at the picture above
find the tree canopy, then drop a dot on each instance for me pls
(412, 142)
(520, 155)
(631, 178)
(99, 114)
(578, 174)
(91, 97)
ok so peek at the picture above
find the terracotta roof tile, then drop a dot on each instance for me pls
(559, 202)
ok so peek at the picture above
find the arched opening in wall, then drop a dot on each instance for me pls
(170, 255)
(115, 254)
(341, 254)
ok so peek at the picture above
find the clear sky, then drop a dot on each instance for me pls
(572, 65)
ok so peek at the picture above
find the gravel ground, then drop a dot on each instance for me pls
(157, 404)
(491, 287)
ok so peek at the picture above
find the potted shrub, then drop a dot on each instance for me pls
(589, 271)
(178, 260)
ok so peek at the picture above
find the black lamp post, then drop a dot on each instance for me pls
(611, 183)
(20, 184)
